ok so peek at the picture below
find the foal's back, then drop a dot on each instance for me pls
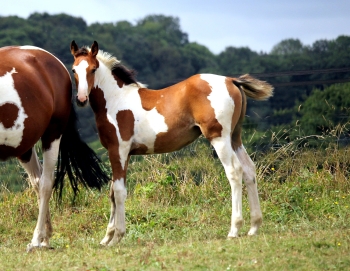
(201, 104)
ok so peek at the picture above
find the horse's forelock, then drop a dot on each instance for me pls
(81, 52)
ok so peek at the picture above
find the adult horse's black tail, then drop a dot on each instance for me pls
(78, 161)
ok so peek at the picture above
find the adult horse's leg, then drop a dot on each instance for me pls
(32, 166)
(116, 226)
(34, 171)
(43, 229)
(233, 170)
(249, 177)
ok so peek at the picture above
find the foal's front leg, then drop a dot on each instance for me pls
(116, 226)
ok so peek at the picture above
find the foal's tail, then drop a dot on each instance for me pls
(77, 160)
(254, 88)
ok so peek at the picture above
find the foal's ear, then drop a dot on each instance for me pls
(94, 48)
(73, 47)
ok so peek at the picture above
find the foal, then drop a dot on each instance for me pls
(134, 120)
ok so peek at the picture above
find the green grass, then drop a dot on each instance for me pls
(178, 216)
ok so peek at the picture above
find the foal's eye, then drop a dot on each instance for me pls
(93, 70)
(73, 71)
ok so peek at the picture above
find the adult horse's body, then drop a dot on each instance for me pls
(134, 120)
(36, 103)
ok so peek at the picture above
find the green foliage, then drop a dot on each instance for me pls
(288, 47)
(325, 109)
(12, 176)
(160, 52)
(176, 222)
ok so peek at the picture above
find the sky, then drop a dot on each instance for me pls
(216, 24)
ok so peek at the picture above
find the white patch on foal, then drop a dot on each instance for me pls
(147, 123)
(220, 100)
(8, 94)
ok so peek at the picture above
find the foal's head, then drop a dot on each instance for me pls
(84, 68)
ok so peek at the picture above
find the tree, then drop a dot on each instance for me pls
(288, 47)
(323, 110)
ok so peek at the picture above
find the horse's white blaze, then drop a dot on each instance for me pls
(147, 123)
(80, 70)
(8, 94)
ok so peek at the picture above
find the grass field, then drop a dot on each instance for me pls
(178, 216)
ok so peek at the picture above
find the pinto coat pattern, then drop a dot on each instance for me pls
(36, 104)
(134, 120)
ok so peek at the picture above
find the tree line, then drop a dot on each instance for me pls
(308, 79)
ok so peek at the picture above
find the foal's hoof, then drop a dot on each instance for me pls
(31, 247)
(254, 230)
(233, 234)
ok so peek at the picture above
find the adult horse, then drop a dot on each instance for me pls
(36, 103)
(133, 120)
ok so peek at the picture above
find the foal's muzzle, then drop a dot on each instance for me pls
(81, 103)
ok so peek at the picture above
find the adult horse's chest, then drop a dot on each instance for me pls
(12, 112)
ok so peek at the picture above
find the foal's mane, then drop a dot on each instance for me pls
(112, 63)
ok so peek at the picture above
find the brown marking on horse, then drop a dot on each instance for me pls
(125, 120)
(8, 114)
(109, 140)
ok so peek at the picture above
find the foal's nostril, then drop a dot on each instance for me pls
(81, 103)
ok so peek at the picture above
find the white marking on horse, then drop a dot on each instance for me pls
(80, 70)
(220, 100)
(116, 225)
(147, 125)
(8, 94)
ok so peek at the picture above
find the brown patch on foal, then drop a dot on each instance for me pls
(203, 111)
(126, 120)
(240, 101)
(107, 132)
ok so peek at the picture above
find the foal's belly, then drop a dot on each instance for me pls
(167, 142)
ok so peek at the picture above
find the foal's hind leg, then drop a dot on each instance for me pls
(233, 171)
(249, 177)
